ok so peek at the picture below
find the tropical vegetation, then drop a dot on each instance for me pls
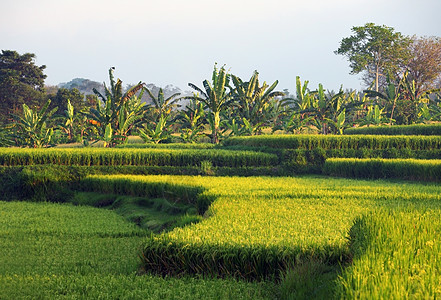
(235, 191)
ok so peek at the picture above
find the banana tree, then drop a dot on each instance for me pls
(254, 103)
(390, 95)
(304, 98)
(417, 99)
(129, 117)
(325, 107)
(292, 122)
(434, 108)
(191, 120)
(215, 97)
(32, 130)
(5, 136)
(115, 110)
(162, 106)
(300, 109)
(68, 126)
(375, 116)
(339, 123)
(155, 131)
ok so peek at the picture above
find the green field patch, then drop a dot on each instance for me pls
(415, 129)
(169, 145)
(292, 229)
(53, 251)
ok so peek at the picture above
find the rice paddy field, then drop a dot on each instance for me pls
(66, 251)
(221, 237)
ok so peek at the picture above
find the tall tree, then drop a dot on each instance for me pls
(63, 95)
(376, 50)
(21, 82)
(424, 66)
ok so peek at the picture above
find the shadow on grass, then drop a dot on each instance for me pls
(153, 214)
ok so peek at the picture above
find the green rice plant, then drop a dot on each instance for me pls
(59, 251)
(148, 157)
(412, 169)
(327, 142)
(169, 145)
(396, 255)
(149, 186)
(130, 286)
(254, 228)
(206, 168)
(310, 279)
(417, 129)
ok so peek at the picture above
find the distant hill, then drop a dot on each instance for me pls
(85, 86)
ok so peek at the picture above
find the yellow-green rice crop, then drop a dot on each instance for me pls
(397, 255)
(414, 169)
(146, 157)
(259, 225)
(309, 142)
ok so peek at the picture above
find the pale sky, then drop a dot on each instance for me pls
(178, 41)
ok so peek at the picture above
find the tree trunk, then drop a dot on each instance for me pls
(215, 133)
(377, 73)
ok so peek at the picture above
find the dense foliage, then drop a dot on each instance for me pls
(221, 110)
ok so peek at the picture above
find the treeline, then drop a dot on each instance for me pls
(226, 106)
(403, 91)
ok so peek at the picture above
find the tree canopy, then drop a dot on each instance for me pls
(424, 66)
(21, 81)
(378, 51)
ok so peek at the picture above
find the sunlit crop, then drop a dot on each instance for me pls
(146, 156)
(397, 255)
(278, 219)
(415, 169)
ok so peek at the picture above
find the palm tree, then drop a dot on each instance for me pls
(215, 98)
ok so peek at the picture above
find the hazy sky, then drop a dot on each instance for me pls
(178, 41)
